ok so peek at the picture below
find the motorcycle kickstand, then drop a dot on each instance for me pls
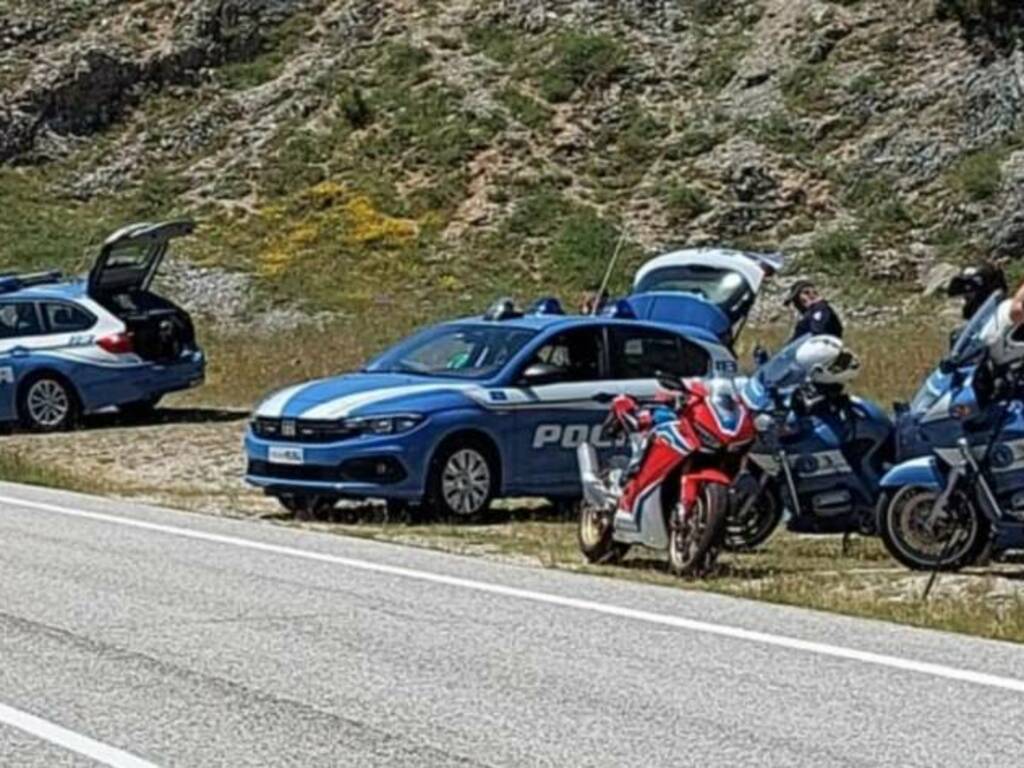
(935, 571)
(845, 547)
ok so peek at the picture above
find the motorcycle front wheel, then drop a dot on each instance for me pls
(923, 539)
(753, 527)
(595, 535)
(695, 538)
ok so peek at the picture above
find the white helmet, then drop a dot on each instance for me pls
(827, 361)
(1004, 339)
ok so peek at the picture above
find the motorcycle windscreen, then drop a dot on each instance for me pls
(130, 257)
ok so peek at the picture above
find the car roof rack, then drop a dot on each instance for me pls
(12, 281)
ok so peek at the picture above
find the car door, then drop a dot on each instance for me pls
(639, 355)
(554, 417)
(21, 326)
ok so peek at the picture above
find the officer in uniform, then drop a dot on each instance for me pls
(816, 317)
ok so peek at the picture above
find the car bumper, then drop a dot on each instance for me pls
(102, 388)
(355, 468)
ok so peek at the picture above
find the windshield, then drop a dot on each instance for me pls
(467, 351)
(783, 370)
(717, 285)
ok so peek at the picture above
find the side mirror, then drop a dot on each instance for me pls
(669, 382)
(541, 373)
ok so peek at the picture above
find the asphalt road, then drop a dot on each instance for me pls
(133, 636)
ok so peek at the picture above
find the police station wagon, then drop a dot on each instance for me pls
(69, 347)
(495, 405)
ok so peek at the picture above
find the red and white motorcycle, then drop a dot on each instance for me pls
(687, 448)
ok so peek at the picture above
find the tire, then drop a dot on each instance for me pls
(594, 535)
(463, 479)
(47, 403)
(759, 523)
(307, 507)
(693, 543)
(956, 543)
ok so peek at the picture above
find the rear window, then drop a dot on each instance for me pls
(129, 255)
(19, 318)
(66, 318)
(644, 353)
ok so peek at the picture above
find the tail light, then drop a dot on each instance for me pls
(116, 343)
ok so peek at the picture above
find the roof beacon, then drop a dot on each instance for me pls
(547, 306)
(620, 309)
(11, 282)
(503, 309)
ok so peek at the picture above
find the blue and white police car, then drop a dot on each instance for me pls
(70, 347)
(495, 405)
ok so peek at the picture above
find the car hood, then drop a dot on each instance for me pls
(367, 394)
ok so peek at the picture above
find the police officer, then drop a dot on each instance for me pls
(975, 284)
(816, 316)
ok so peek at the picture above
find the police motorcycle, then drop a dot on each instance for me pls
(686, 449)
(965, 490)
(820, 453)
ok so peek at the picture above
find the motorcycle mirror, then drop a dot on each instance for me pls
(760, 355)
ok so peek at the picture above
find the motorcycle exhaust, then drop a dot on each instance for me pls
(594, 490)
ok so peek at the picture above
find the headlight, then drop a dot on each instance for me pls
(386, 425)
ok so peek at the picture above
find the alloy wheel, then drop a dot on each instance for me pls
(48, 403)
(466, 481)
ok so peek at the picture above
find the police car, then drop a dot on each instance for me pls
(495, 405)
(70, 347)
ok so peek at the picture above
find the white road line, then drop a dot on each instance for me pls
(721, 630)
(69, 740)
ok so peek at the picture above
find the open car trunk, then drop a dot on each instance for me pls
(710, 288)
(121, 278)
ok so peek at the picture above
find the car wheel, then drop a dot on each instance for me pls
(47, 404)
(307, 507)
(463, 480)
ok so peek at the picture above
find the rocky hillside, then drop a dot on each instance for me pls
(418, 156)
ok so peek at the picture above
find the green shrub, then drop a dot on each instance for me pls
(837, 248)
(355, 109)
(685, 202)
(404, 63)
(581, 250)
(718, 65)
(692, 144)
(498, 43)
(806, 88)
(580, 60)
(978, 176)
(526, 109)
(778, 132)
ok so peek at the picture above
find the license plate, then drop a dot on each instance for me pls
(285, 454)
